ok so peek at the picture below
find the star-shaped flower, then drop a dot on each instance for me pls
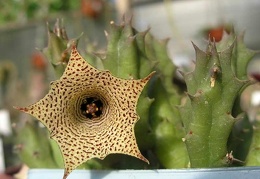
(90, 113)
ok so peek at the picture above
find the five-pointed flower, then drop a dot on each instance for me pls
(90, 113)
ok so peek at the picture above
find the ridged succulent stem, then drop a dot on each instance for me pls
(207, 114)
(253, 158)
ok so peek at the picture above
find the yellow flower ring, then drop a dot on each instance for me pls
(90, 113)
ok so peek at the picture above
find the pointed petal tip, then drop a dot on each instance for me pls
(141, 157)
(149, 76)
(66, 173)
(21, 109)
(73, 45)
(147, 161)
(74, 50)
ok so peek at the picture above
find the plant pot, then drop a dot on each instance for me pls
(212, 173)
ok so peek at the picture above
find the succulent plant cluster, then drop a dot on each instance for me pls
(169, 134)
(212, 88)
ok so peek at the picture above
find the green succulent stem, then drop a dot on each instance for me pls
(253, 158)
(135, 54)
(196, 131)
(207, 114)
(34, 149)
(59, 46)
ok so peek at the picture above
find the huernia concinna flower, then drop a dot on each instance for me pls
(90, 113)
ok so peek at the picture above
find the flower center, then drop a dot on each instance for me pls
(91, 107)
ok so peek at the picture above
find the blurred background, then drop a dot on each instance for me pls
(23, 33)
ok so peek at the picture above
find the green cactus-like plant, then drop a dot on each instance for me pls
(35, 148)
(164, 115)
(58, 49)
(253, 154)
(198, 131)
(212, 88)
(240, 139)
(133, 54)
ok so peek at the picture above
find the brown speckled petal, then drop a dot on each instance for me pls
(90, 113)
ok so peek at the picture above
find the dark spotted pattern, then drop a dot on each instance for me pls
(110, 132)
